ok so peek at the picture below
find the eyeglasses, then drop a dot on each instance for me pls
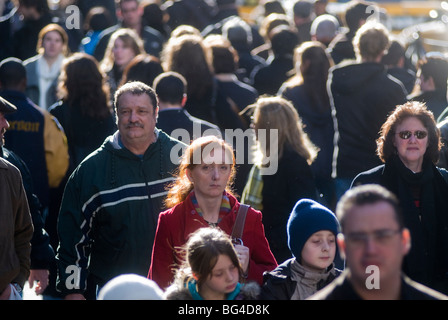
(407, 134)
(380, 237)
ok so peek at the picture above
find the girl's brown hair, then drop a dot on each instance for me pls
(201, 252)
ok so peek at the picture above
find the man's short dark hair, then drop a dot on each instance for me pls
(284, 40)
(12, 72)
(365, 195)
(355, 12)
(40, 5)
(170, 87)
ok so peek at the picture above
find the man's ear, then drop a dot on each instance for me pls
(340, 239)
(184, 100)
(406, 240)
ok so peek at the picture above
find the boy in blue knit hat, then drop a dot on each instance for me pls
(312, 231)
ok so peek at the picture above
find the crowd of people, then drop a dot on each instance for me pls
(123, 175)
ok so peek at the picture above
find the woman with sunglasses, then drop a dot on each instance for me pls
(409, 146)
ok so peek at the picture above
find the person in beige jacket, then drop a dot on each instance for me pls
(16, 228)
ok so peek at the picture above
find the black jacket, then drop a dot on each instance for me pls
(178, 119)
(293, 181)
(435, 101)
(318, 124)
(42, 253)
(362, 95)
(341, 289)
(269, 78)
(279, 285)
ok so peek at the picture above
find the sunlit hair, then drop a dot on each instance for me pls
(189, 56)
(371, 40)
(192, 157)
(435, 67)
(49, 28)
(130, 39)
(277, 113)
(185, 29)
(83, 85)
(411, 109)
(274, 20)
(225, 57)
(312, 63)
(201, 252)
(143, 67)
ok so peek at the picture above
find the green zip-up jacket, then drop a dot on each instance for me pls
(110, 209)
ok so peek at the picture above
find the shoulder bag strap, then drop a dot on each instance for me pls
(238, 227)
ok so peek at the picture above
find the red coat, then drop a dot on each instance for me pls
(176, 224)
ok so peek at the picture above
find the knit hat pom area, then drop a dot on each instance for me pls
(306, 218)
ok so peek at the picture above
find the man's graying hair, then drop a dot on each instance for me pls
(366, 195)
(136, 88)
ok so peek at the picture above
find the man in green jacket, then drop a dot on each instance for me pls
(112, 200)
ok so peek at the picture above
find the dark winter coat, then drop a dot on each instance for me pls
(318, 124)
(362, 95)
(341, 289)
(279, 285)
(435, 101)
(109, 211)
(42, 253)
(293, 181)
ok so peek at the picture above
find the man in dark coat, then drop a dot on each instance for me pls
(361, 94)
(268, 79)
(173, 119)
(374, 242)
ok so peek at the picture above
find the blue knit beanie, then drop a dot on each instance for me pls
(308, 217)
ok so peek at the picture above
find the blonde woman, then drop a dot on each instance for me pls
(43, 69)
(275, 192)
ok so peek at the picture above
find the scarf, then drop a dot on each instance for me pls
(223, 211)
(193, 289)
(308, 282)
(424, 201)
(47, 76)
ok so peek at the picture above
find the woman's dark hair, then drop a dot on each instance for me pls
(83, 84)
(144, 68)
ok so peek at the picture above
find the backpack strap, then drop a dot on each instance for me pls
(238, 227)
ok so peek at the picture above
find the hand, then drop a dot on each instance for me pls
(243, 256)
(6, 293)
(74, 296)
(41, 277)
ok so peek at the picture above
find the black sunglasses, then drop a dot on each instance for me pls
(407, 134)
